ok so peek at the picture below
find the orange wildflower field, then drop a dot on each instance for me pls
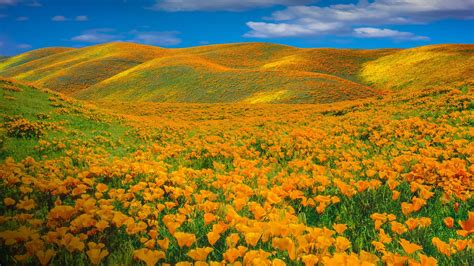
(366, 182)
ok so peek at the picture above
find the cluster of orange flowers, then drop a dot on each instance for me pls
(253, 185)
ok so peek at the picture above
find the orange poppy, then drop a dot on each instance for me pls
(252, 238)
(200, 254)
(45, 256)
(409, 247)
(185, 239)
(150, 257)
(339, 228)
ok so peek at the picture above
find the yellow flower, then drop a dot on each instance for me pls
(9, 201)
(150, 257)
(342, 244)
(184, 239)
(45, 256)
(200, 254)
(339, 228)
(409, 247)
(252, 238)
(310, 260)
(163, 243)
(285, 244)
(96, 252)
(234, 253)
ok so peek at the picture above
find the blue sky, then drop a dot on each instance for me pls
(32, 24)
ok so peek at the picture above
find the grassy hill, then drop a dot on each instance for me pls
(194, 79)
(422, 67)
(24, 58)
(76, 69)
(241, 72)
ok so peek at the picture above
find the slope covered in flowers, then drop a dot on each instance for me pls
(77, 69)
(243, 72)
(422, 67)
(360, 182)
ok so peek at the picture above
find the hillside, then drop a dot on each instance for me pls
(16, 61)
(422, 67)
(384, 181)
(243, 72)
(191, 79)
(77, 69)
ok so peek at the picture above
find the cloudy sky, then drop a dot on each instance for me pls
(32, 24)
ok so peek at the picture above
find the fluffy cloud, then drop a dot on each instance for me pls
(8, 2)
(97, 36)
(386, 33)
(270, 30)
(33, 3)
(63, 18)
(59, 18)
(161, 38)
(341, 18)
(226, 5)
(82, 18)
(24, 46)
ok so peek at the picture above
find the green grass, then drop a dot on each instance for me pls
(77, 123)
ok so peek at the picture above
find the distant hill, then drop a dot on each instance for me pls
(422, 67)
(242, 72)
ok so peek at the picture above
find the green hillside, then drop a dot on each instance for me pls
(241, 72)
(422, 67)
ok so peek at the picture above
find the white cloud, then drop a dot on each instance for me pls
(225, 5)
(82, 18)
(161, 38)
(340, 19)
(24, 46)
(8, 2)
(97, 36)
(33, 3)
(386, 33)
(22, 18)
(59, 18)
(271, 30)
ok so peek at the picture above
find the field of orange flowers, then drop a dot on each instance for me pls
(369, 182)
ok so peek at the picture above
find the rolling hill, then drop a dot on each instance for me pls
(422, 67)
(242, 72)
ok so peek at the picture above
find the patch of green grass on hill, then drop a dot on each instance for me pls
(50, 116)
